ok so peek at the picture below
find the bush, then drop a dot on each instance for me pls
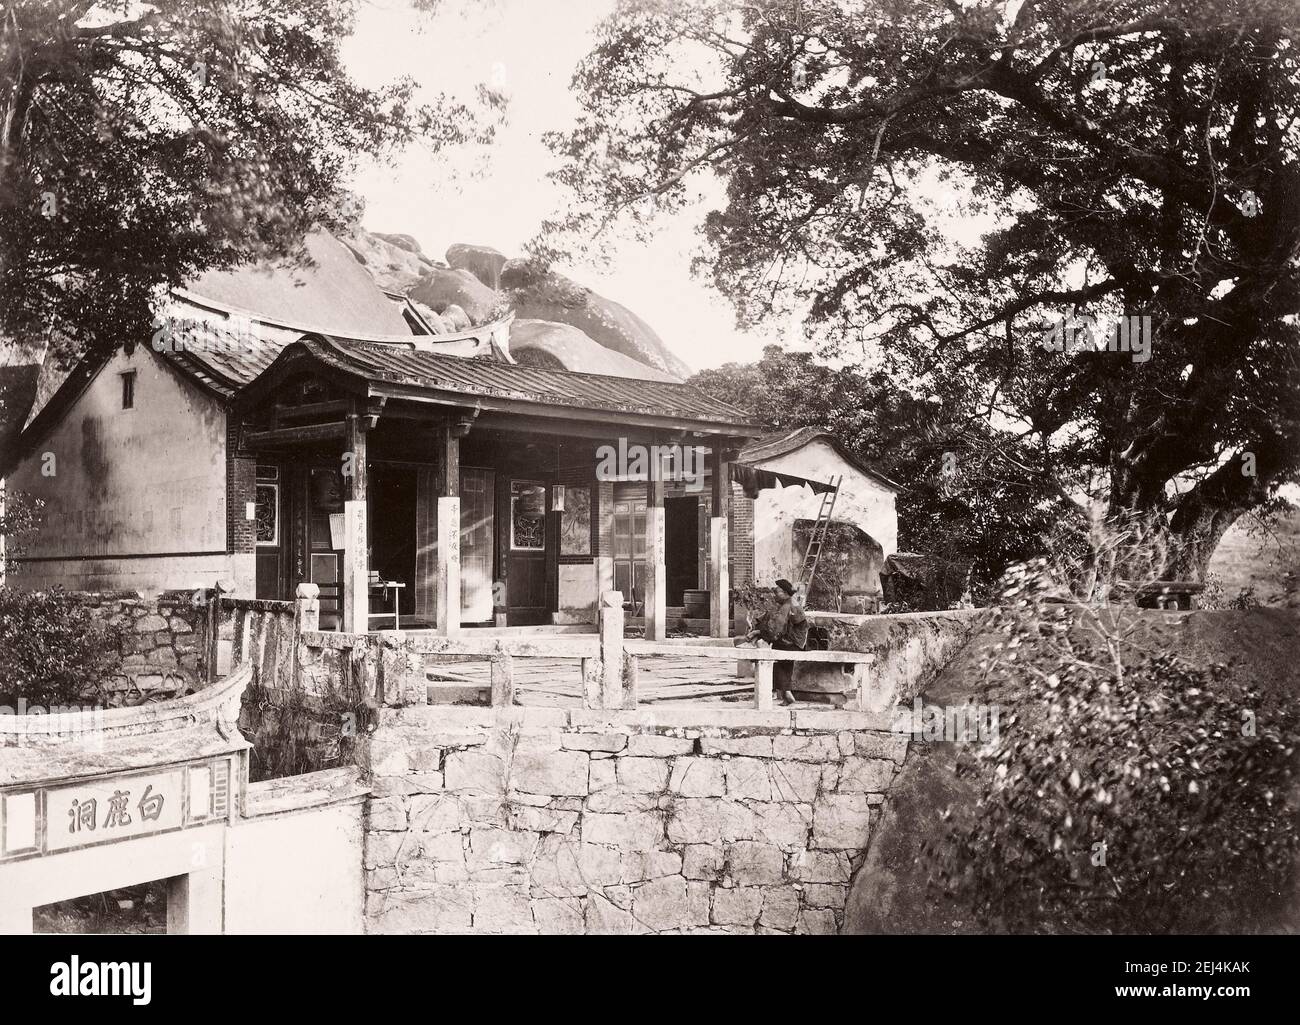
(53, 649)
(1127, 790)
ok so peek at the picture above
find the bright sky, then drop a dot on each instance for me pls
(499, 195)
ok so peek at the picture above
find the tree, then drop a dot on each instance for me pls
(970, 492)
(141, 144)
(1130, 159)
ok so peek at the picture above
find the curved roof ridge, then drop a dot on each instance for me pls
(780, 443)
(216, 306)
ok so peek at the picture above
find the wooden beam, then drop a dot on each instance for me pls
(304, 435)
(354, 459)
(720, 474)
(447, 454)
(656, 584)
(313, 410)
(356, 551)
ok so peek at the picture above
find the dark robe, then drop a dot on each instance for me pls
(786, 629)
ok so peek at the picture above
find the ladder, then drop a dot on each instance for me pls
(820, 528)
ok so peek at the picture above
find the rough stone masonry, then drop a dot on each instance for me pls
(536, 820)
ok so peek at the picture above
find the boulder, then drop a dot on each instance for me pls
(551, 296)
(441, 288)
(394, 261)
(484, 262)
(545, 343)
(406, 242)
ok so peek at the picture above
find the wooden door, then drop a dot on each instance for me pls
(325, 542)
(270, 533)
(524, 518)
(629, 546)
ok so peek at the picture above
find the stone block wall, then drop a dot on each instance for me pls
(159, 643)
(910, 648)
(535, 820)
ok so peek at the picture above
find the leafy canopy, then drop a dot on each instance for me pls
(1133, 158)
(143, 143)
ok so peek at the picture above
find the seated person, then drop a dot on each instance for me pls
(785, 628)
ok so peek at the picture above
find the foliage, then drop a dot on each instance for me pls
(998, 505)
(21, 518)
(143, 144)
(53, 648)
(1127, 790)
(1213, 597)
(757, 601)
(937, 184)
(293, 732)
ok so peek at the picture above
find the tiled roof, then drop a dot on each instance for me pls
(770, 446)
(225, 355)
(404, 364)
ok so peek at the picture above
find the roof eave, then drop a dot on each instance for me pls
(529, 407)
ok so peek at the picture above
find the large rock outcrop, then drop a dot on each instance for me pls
(552, 296)
(396, 262)
(483, 283)
(545, 343)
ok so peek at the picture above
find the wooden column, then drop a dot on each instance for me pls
(719, 554)
(656, 585)
(447, 590)
(356, 556)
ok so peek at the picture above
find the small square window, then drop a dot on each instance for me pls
(128, 390)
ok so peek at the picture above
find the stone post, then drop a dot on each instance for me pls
(611, 649)
(719, 579)
(447, 614)
(306, 616)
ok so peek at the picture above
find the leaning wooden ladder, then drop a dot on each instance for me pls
(820, 528)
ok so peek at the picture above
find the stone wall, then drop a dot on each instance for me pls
(159, 643)
(910, 648)
(542, 820)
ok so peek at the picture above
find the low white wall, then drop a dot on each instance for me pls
(146, 575)
(295, 870)
(862, 501)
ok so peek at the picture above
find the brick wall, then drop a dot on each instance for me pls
(741, 537)
(241, 488)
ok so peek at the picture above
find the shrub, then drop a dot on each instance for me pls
(1127, 790)
(53, 649)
